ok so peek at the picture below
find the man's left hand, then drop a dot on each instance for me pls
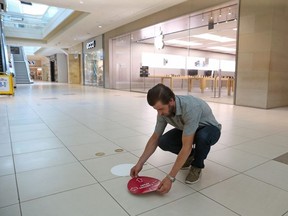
(165, 186)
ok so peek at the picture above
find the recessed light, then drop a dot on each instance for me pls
(99, 26)
(81, 2)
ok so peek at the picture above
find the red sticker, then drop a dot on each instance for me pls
(143, 184)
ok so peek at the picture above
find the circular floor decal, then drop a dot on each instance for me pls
(119, 150)
(100, 154)
(122, 169)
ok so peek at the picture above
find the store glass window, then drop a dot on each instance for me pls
(93, 62)
(186, 53)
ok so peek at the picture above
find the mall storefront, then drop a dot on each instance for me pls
(193, 54)
(93, 61)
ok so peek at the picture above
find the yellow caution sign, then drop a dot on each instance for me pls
(6, 85)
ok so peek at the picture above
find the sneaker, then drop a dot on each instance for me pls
(188, 162)
(193, 175)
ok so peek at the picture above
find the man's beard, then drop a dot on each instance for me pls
(171, 111)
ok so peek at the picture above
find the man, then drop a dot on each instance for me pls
(194, 123)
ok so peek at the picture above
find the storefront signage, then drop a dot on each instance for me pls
(91, 44)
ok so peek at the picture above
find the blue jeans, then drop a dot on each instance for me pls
(204, 138)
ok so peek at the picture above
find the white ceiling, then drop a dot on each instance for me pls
(111, 14)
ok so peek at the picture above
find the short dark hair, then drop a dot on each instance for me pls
(161, 93)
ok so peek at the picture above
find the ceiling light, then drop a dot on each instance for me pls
(223, 48)
(213, 37)
(81, 2)
(181, 42)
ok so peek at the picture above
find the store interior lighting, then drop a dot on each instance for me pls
(213, 37)
(227, 49)
(181, 42)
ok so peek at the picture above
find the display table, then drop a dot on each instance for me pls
(201, 79)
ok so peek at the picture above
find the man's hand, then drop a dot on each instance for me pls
(165, 186)
(135, 170)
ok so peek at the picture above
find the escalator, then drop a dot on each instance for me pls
(3, 47)
(3, 52)
(20, 67)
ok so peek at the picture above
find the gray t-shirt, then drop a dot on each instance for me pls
(191, 112)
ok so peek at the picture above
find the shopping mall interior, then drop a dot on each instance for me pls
(74, 116)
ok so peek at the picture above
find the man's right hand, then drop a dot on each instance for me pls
(135, 170)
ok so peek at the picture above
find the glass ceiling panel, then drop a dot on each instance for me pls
(29, 16)
(15, 6)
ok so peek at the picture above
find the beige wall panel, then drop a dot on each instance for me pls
(266, 78)
(262, 41)
(256, 81)
(256, 7)
(257, 42)
(74, 69)
(245, 61)
(247, 24)
(252, 98)
(261, 62)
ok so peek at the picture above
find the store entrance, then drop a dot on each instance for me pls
(52, 71)
(193, 54)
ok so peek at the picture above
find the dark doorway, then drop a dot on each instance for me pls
(52, 71)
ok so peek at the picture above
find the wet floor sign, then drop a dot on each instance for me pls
(6, 85)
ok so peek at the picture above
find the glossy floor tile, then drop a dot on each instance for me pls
(248, 196)
(90, 200)
(195, 204)
(134, 204)
(8, 191)
(59, 142)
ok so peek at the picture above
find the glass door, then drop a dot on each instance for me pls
(120, 74)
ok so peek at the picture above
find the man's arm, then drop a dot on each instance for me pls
(184, 153)
(149, 150)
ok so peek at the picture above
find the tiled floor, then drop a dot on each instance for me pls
(50, 135)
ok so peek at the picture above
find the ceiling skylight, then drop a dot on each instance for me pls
(28, 8)
(34, 9)
(34, 21)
